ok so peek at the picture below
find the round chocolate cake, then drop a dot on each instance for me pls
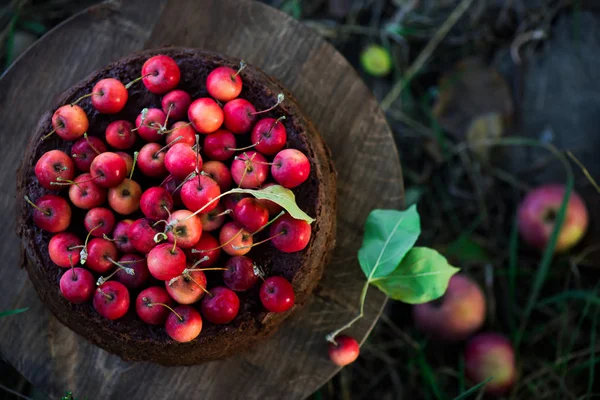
(113, 314)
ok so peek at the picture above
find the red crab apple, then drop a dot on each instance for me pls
(224, 83)
(269, 135)
(128, 161)
(200, 192)
(238, 115)
(121, 236)
(70, 122)
(231, 200)
(77, 285)
(272, 207)
(183, 129)
(86, 193)
(119, 135)
(250, 214)
(85, 150)
(457, 315)
(150, 305)
(51, 213)
(181, 160)
(171, 185)
(187, 288)
(186, 227)
(160, 74)
(290, 168)
(109, 96)
(491, 355)
(125, 198)
(141, 235)
(138, 264)
(108, 170)
(184, 324)
(289, 234)
(277, 294)
(166, 261)
(101, 254)
(218, 146)
(214, 219)
(53, 165)
(236, 241)
(149, 128)
(156, 203)
(344, 351)
(99, 221)
(176, 103)
(249, 170)
(205, 115)
(239, 274)
(151, 160)
(219, 173)
(207, 247)
(111, 300)
(221, 306)
(64, 249)
(537, 215)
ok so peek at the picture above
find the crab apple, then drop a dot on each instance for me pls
(239, 274)
(218, 146)
(269, 135)
(100, 218)
(156, 203)
(200, 192)
(86, 193)
(272, 207)
(181, 160)
(208, 247)
(290, 168)
(101, 254)
(187, 288)
(69, 122)
(238, 115)
(51, 213)
(457, 315)
(344, 351)
(108, 170)
(277, 294)
(77, 285)
(186, 227)
(85, 150)
(250, 170)
(231, 200)
(151, 160)
(224, 83)
(121, 236)
(184, 324)
(109, 96)
(119, 135)
(171, 185)
(221, 306)
(160, 74)
(205, 115)
(141, 235)
(52, 165)
(538, 212)
(166, 261)
(250, 214)
(176, 103)
(111, 300)
(236, 241)
(138, 264)
(149, 128)
(125, 198)
(219, 173)
(214, 219)
(491, 355)
(128, 161)
(64, 249)
(149, 305)
(183, 129)
(289, 234)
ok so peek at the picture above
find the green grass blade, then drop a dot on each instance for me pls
(592, 353)
(512, 276)
(13, 312)
(474, 389)
(560, 298)
(429, 376)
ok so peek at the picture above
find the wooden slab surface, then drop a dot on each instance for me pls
(294, 363)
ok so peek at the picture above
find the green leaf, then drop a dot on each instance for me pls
(422, 276)
(12, 312)
(474, 389)
(280, 195)
(388, 236)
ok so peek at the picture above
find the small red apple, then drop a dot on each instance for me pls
(491, 355)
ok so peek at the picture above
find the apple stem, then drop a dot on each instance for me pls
(257, 243)
(200, 261)
(73, 274)
(247, 162)
(240, 69)
(75, 247)
(275, 123)
(188, 270)
(189, 276)
(331, 336)
(150, 304)
(268, 223)
(128, 270)
(105, 237)
(163, 128)
(144, 116)
(228, 211)
(51, 133)
(131, 261)
(187, 178)
(108, 296)
(243, 148)
(169, 145)
(174, 243)
(136, 80)
(258, 272)
(45, 212)
(85, 96)
(66, 182)
(102, 279)
(83, 253)
(160, 236)
(223, 245)
(174, 129)
(280, 98)
(85, 135)
(135, 157)
(197, 153)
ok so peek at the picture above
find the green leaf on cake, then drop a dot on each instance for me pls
(280, 195)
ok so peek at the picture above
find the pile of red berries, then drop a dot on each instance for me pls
(181, 229)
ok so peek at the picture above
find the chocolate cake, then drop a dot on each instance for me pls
(129, 337)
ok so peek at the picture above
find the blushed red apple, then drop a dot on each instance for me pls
(491, 355)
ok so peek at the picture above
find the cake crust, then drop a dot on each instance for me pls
(129, 337)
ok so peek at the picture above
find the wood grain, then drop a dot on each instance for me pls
(294, 363)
